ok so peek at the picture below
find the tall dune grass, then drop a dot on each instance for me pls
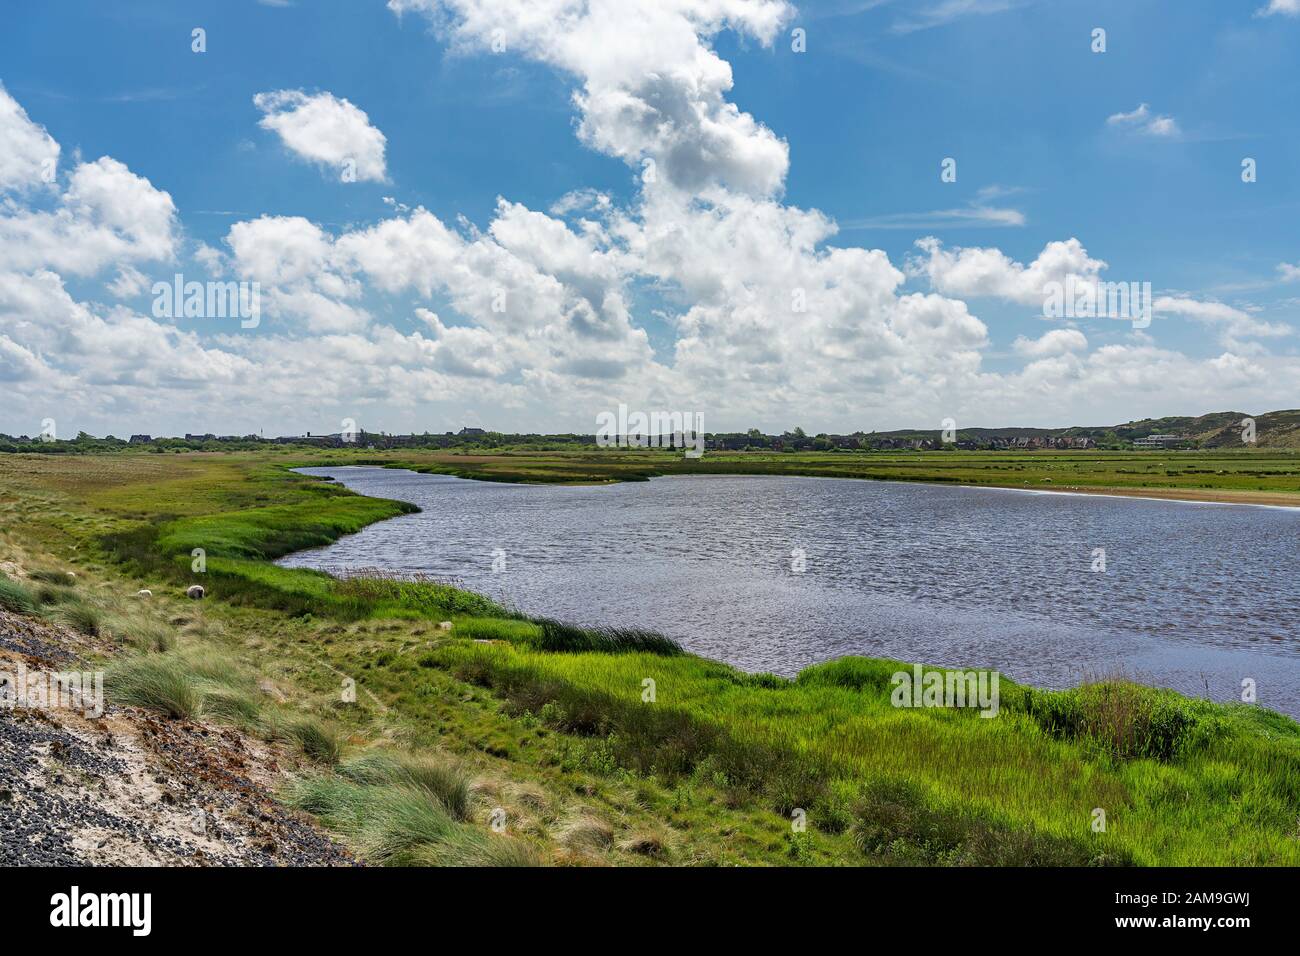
(16, 596)
(406, 810)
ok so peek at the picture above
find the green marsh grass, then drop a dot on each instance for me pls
(559, 636)
(1162, 777)
(1273, 470)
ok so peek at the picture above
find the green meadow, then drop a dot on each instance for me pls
(476, 735)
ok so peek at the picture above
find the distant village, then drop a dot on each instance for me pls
(1014, 439)
(859, 440)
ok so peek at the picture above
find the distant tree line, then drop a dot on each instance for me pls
(475, 439)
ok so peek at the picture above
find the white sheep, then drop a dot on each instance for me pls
(144, 593)
(195, 592)
(444, 625)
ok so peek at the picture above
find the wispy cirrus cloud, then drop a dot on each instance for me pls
(962, 217)
(152, 94)
(1233, 324)
(978, 212)
(946, 11)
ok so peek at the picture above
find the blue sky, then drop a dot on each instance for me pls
(1135, 153)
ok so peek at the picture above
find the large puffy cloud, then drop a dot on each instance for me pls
(990, 272)
(70, 361)
(289, 257)
(651, 87)
(62, 356)
(776, 319)
(18, 363)
(529, 278)
(107, 215)
(118, 349)
(324, 129)
(30, 155)
(464, 350)
(278, 250)
(551, 295)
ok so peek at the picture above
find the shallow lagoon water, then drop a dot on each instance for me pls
(1197, 597)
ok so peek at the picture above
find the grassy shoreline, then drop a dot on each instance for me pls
(1269, 477)
(1202, 496)
(586, 770)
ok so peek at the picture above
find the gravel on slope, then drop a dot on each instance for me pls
(132, 788)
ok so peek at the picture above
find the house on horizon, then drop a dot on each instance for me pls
(1158, 441)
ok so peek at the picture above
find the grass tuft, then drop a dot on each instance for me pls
(16, 597)
(142, 634)
(584, 831)
(320, 741)
(644, 843)
(80, 615)
(1126, 720)
(160, 683)
(559, 636)
(51, 576)
(442, 780)
(232, 706)
(897, 820)
(386, 807)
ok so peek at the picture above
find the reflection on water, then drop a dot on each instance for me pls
(1194, 597)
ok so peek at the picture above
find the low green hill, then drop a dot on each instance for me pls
(1280, 429)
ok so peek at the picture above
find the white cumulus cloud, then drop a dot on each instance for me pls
(987, 272)
(1142, 120)
(1053, 343)
(327, 130)
(652, 88)
(30, 155)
